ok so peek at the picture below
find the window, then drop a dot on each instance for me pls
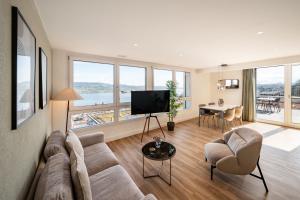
(183, 88)
(94, 82)
(106, 90)
(160, 78)
(131, 79)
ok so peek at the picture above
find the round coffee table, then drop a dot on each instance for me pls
(165, 152)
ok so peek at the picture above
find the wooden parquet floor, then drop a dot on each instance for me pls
(191, 174)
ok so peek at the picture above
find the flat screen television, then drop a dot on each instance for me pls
(151, 101)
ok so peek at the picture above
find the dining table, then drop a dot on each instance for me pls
(221, 109)
(266, 103)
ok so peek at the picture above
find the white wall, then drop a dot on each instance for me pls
(199, 90)
(20, 149)
(230, 96)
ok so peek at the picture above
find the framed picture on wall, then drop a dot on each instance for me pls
(23, 70)
(42, 79)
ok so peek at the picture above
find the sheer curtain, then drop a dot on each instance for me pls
(249, 84)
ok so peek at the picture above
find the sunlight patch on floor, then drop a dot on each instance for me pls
(286, 140)
(279, 137)
(262, 127)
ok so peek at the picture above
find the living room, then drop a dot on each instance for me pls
(227, 81)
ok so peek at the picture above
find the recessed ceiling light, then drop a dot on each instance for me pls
(181, 54)
(135, 44)
(260, 33)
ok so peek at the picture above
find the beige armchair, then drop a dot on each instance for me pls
(238, 153)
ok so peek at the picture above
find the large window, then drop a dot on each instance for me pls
(106, 90)
(160, 78)
(183, 88)
(131, 79)
(94, 82)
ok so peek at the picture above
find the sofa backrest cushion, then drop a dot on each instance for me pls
(55, 144)
(73, 144)
(80, 177)
(55, 181)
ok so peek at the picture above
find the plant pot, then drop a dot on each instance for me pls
(171, 126)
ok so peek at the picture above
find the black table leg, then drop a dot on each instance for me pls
(158, 175)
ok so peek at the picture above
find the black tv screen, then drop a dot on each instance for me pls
(146, 102)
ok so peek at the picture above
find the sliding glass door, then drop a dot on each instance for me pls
(295, 97)
(270, 94)
(278, 94)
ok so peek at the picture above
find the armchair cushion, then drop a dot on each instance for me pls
(235, 142)
(91, 138)
(216, 151)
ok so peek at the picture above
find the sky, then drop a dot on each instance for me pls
(98, 72)
(269, 75)
(103, 73)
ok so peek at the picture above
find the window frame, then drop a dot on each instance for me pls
(116, 105)
(184, 98)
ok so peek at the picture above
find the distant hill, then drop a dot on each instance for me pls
(88, 88)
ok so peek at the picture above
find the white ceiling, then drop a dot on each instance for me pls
(190, 33)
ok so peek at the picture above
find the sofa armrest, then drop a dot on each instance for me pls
(149, 197)
(91, 138)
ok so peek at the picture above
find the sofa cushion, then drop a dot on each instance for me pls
(98, 157)
(55, 180)
(73, 144)
(216, 151)
(55, 144)
(235, 142)
(114, 183)
(80, 177)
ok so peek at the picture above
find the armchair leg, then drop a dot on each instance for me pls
(261, 177)
(212, 172)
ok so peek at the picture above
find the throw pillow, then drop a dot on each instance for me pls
(73, 144)
(80, 177)
(235, 142)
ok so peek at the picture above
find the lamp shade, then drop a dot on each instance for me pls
(67, 94)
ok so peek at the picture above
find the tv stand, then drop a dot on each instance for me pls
(148, 120)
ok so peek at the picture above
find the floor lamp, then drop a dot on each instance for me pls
(67, 94)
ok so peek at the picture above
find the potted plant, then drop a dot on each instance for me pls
(175, 103)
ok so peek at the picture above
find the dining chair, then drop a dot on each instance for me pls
(229, 117)
(276, 104)
(202, 114)
(238, 114)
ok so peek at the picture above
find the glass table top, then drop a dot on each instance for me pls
(164, 152)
